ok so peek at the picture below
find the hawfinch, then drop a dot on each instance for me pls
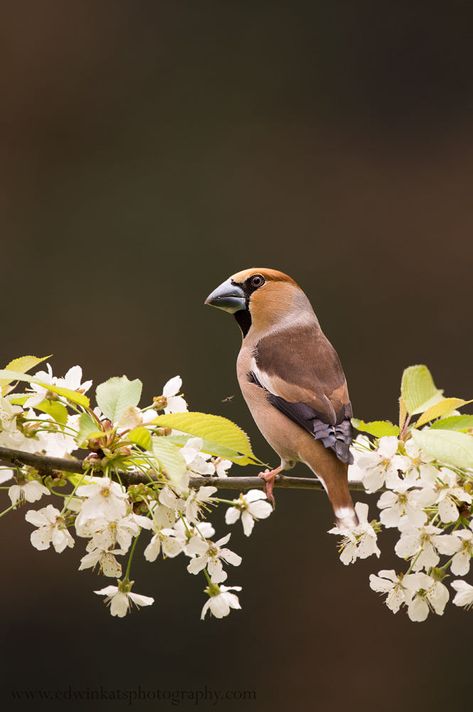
(292, 380)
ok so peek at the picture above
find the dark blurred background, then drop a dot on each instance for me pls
(149, 150)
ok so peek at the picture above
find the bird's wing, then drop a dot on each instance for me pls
(304, 379)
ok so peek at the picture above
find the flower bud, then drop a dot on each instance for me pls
(160, 402)
(163, 431)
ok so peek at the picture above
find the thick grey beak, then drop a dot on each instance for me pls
(228, 296)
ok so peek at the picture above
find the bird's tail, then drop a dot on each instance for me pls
(334, 476)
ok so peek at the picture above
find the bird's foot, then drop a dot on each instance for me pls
(269, 477)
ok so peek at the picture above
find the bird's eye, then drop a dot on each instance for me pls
(256, 281)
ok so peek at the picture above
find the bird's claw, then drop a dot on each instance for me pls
(269, 477)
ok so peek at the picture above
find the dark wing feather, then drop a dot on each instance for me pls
(303, 377)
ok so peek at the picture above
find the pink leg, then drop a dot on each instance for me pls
(269, 477)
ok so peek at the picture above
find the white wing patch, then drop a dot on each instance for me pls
(263, 377)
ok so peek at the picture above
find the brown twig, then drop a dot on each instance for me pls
(48, 465)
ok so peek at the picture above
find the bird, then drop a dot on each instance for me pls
(292, 381)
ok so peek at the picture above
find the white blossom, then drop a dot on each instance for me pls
(134, 417)
(30, 491)
(203, 529)
(251, 507)
(401, 505)
(104, 560)
(8, 415)
(169, 499)
(10, 436)
(360, 446)
(221, 601)
(175, 403)
(130, 418)
(196, 461)
(449, 494)
(182, 537)
(221, 466)
(73, 380)
(460, 544)
(164, 540)
(103, 499)
(418, 463)
(162, 516)
(168, 540)
(196, 500)
(424, 593)
(51, 529)
(464, 593)
(54, 441)
(106, 534)
(6, 475)
(382, 465)
(215, 553)
(387, 581)
(421, 545)
(40, 393)
(358, 542)
(120, 599)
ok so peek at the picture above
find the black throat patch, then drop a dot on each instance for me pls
(243, 318)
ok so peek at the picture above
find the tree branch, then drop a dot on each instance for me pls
(47, 465)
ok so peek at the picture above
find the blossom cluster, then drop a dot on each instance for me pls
(421, 473)
(141, 470)
(122, 471)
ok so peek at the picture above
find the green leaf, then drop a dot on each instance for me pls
(171, 462)
(216, 430)
(140, 436)
(67, 393)
(116, 395)
(22, 365)
(76, 479)
(378, 428)
(87, 428)
(18, 400)
(72, 396)
(56, 410)
(455, 422)
(208, 447)
(445, 406)
(446, 446)
(418, 390)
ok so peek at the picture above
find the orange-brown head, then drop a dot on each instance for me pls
(260, 297)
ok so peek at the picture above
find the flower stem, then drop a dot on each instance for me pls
(130, 557)
(7, 510)
(67, 501)
(447, 564)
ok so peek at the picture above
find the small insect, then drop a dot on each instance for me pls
(228, 399)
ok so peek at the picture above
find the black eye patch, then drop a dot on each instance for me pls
(254, 282)
(251, 284)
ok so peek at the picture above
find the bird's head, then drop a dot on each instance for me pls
(260, 297)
